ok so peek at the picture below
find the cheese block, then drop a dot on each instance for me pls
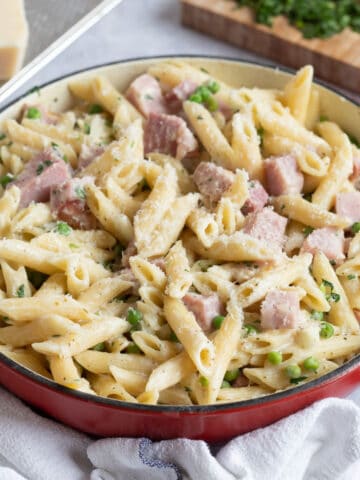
(13, 37)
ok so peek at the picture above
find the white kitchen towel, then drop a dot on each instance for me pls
(321, 442)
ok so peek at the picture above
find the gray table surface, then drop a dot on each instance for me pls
(138, 28)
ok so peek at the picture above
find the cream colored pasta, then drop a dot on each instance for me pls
(135, 278)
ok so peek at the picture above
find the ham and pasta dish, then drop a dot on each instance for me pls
(182, 242)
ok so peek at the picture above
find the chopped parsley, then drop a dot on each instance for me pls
(307, 230)
(351, 276)
(323, 118)
(80, 193)
(328, 290)
(316, 19)
(260, 132)
(100, 347)
(95, 108)
(298, 379)
(2, 136)
(148, 97)
(87, 128)
(42, 166)
(63, 228)
(20, 292)
(35, 89)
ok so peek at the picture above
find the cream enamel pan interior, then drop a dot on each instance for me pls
(238, 74)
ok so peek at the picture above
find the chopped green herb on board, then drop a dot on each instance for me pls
(315, 19)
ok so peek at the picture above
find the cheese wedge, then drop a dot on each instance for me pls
(13, 37)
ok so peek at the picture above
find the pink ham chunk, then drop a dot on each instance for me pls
(283, 176)
(89, 153)
(266, 225)
(146, 95)
(168, 134)
(205, 308)
(348, 205)
(355, 177)
(46, 116)
(212, 181)
(257, 200)
(330, 241)
(281, 309)
(68, 203)
(129, 252)
(44, 171)
(176, 96)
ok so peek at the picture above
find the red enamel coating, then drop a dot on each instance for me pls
(109, 418)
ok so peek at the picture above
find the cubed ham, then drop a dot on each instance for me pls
(281, 309)
(240, 381)
(89, 153)
(177, 95)
(257, 200)
(46, 116)
(168, 134)
(129, 252)
(266, 225)
(212, 181)
(68, 203)
(127, 275)
(283, 176)
(227, 111)
(348, 205)
(159, 262)
(146, 95)
(205, 308)
(355, 177)
(328, 240)
(44, 171)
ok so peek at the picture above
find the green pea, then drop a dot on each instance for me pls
(204, 381)
(231, 375)
(225, 384)
(204, 92)
(327, 330)
(355, 228)
(275, 357)
(213, 86)
(317, 315)
(5, 179)
(133, 316)
(195, 97)
(293, 371)
(33, 113)
(250, 329)
(212, 104)
(311, 363)
(217, 321)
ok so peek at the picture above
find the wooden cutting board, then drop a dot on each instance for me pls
(336, 59)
